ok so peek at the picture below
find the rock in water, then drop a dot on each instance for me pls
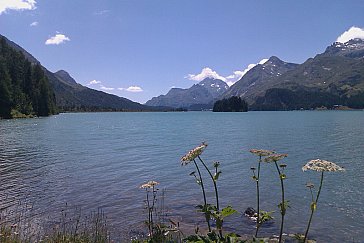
(250, 212)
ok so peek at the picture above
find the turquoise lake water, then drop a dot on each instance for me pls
(98, 160)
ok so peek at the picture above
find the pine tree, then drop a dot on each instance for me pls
(24, 87)
(5, 91)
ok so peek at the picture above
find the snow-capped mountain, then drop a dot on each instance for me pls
(353, 48)
(216, 87)
(255, 81)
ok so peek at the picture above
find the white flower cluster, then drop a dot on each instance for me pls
(193, 154)
(322, 165)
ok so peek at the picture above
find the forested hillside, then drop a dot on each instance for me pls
(24, 88)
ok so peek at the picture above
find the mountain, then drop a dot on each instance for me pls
(216, 87)
(335, 77)
(65, 77)
(71, 96)
(258, 79)
(199, 96)
(353, 48)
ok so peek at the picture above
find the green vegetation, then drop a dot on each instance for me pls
(72, 226)
(210, 211)
(24, 88)
(158, 230)
(232, 104)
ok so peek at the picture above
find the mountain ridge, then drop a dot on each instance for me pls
(199, 96)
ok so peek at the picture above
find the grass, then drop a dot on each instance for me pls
(71, 227)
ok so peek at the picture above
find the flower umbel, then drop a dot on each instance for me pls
(149, 184)
(275, 157)
(310, 185)
(322, 165)
(261, 152)
(193, 154)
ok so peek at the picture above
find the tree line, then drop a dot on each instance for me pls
(232, 104)
(24, 87)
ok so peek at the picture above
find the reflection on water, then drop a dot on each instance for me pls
(99, 159)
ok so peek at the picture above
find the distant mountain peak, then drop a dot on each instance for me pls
(356, 43)
(208, 81)
(352, 48)
(65, 77)
(62, 72)
(257, 79)
(273, 60)
(216, 87)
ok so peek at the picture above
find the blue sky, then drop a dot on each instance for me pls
(141, 48)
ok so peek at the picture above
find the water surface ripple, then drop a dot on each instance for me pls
(93, 160)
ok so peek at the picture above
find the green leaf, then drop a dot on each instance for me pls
(313, 206)
(227, 211)
(193, 238)
(232, 238)
(213, 236)
(232, 235)
(265, 216)
(211, 207)
(283, 206)
(216, 176)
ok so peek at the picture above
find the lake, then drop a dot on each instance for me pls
(99, 160)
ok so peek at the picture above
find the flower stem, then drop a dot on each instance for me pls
(283, 206)
(258, 198)
(152, 209)
(215, 186)
(149, 218)
(204, 195)
(216, 192)
(312, 208)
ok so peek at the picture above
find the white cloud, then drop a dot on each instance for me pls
(133, 89)
(92, 82)
(57, 39)
(229, 80)
(106, 88)
(16, 5)
(352, 33)
(102, 12)
(205, 73)
(237, 75)
(35, 23)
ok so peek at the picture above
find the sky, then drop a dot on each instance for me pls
(139, 49)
